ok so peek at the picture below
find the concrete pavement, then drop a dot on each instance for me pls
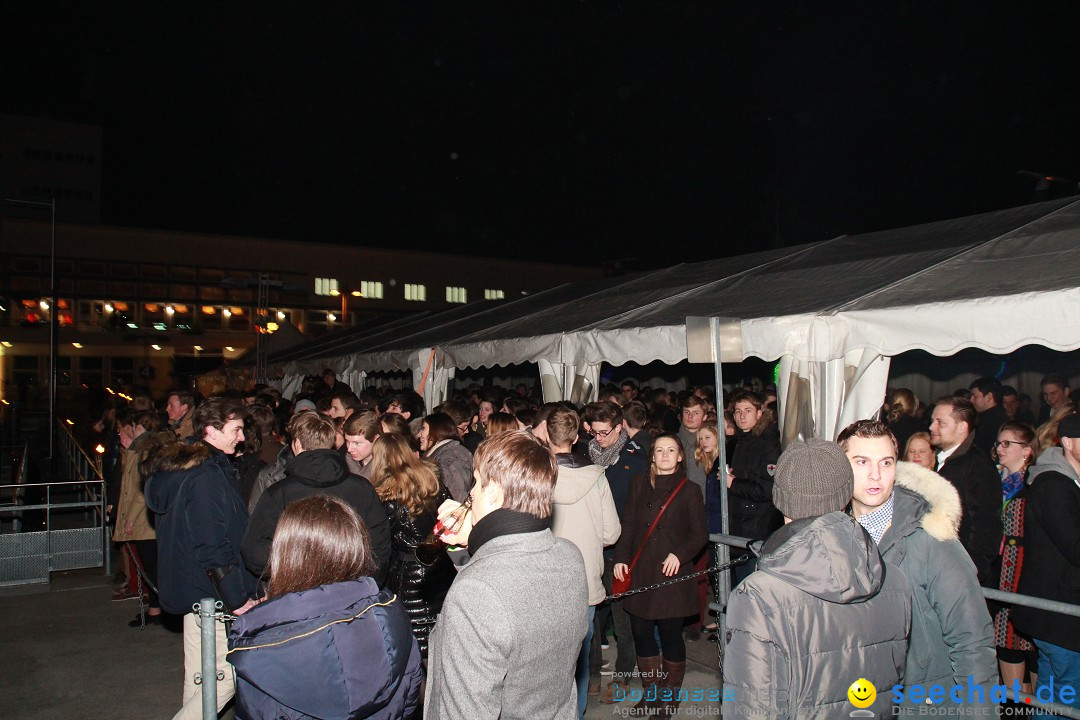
(67, 652)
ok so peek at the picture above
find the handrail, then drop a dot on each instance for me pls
(1010, 598)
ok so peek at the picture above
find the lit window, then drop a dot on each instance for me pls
(456, 295)
(494, 295)
(371, 290)
(415, 292)
(326, 286)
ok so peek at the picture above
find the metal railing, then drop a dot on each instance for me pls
(990, 594)
(72, 532)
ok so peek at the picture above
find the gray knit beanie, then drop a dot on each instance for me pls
(813, 478)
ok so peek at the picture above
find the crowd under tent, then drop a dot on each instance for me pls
(832, 312)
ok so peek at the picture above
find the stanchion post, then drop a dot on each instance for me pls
(209, 658)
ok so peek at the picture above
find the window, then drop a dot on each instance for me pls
(371, 290)
(326, 286)
(494, 295)
(417, 293)
(456, 295)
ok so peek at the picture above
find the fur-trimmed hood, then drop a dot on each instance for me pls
(163, 452)
(926, 500)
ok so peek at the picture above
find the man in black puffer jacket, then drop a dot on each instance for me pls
(317, 469)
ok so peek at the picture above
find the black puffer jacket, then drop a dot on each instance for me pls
(420, 586)
(750, 506)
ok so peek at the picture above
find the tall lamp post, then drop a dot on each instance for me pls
(53, 308)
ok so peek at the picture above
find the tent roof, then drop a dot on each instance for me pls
(981, 281)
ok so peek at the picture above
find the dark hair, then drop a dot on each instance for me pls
(962, 410)
(524, 469)
(440, 427)
(1054, 379)
(409, 401)
(215, 412)
(1027, 435)
(183, 397)
(691, 401)
(148, 420)
(348, 401)
(1008, 391)
(319, 540)
(635, 414)
(457, 410)
(262, 419)
(988, 386)
(868, 429)
(515, 404)
(394, 423)
(606, 412)
(742, 395)
(312, 430)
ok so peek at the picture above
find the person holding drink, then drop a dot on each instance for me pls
(514, 619)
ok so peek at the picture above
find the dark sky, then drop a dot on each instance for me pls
(579, 132)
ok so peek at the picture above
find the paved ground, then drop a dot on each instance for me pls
(66, 652)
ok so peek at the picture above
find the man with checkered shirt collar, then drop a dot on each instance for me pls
(913, 514)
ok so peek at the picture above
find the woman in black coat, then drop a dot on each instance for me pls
(411, 493)
(750, 482)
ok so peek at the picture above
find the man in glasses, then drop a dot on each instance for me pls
(612, 447)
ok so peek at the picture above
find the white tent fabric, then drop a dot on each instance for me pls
(830, 310)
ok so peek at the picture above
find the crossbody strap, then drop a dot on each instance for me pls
(653, 526)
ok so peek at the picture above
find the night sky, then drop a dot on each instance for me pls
(577, 132)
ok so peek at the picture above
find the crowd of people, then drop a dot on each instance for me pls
(383, 560)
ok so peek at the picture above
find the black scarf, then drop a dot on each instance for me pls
(504, 522)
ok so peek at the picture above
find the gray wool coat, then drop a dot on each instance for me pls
(511, 627)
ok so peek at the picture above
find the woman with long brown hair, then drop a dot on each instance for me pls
(411, 494)
(664, 529)
(324, 626)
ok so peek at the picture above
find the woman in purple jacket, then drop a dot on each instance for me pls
(326, 643)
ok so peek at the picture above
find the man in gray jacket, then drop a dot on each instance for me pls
(914, 514)
(823, 611)
(512, 625)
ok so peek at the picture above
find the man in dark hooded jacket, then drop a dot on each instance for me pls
(823, 610)
(200, 519)
(317, 469)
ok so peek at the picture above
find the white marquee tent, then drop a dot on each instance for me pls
(833, 312)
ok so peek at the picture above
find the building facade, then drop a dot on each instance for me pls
(150, 306)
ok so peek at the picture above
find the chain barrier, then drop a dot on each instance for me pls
(656, 586)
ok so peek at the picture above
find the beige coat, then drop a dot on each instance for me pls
(584, 513)
(132, 503)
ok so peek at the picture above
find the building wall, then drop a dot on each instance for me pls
(123, 291)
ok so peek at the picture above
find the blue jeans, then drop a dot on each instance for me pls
(582, 675)
(1057, 667)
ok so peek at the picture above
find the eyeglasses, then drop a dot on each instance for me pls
(1008, 444)
(601, 433)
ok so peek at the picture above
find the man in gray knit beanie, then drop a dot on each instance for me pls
(823, 609)
(813, 478)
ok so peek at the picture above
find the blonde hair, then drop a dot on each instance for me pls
(703, 459)
(1046, 436)
(902, 402)
(400, 476)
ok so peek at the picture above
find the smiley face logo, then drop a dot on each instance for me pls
(862, 693)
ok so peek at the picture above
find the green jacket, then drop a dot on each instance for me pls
(951, 632)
